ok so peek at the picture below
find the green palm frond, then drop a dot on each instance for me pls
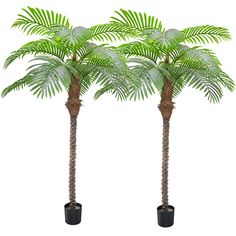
(177, 52)
(85, 50)
(111, 81)
(85, 74)
(105, 56)
(198, 58)
(149, 78)
(201, 80)
(43, 46)
(164, 40)
(178, 77)
(136, 20)
(17, 85)
(112, 32)
(206, 34)
(39, 21)
(140, 48)
(223, 79)
(72, 37)
(49, 75)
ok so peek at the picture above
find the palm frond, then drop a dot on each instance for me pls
(85, 74)
(112, 32)
(198, 58)
(223, 79)
(178, 78)
(111, 81)
(17, 85)
(164, 40)
(43, 46)
(136, 20)
(177, 52)
(206, 34)
(49, 75)
(203, 81)
(85, 50)
(72, 37)
(105, 56)
(39, 21)
(139, 48)
(148, 78)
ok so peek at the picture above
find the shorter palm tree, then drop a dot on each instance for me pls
(165, 61)
(66, 59)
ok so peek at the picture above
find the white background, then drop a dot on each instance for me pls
(119, 144)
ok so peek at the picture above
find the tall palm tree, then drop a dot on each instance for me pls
(66, 59)
(166, 61)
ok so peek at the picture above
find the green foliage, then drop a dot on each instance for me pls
(112, 81)
(198, 58)
(141, 49)
(164, 40)
(19, 84)
(43, 46)
(206, 34)
(39, 21)
(170, 59)
(136, 20)
(201, 80)
(156, 55)
(68, 53)
(74, 37)
(148, 78)
(112, 32)
(49, 75)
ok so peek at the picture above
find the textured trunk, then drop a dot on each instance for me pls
(165, 160)
(73, 105)
(166, 107)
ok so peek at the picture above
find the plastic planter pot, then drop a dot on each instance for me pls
(165, 218)
(73, 215)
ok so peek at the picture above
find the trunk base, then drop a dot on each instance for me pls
(73, 215)
(165, 218)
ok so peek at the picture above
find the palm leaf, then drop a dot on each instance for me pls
(198, 58)
(164, 40)
(149, 78)
(42, 46)
(139, 48)
(112, 32)
(111, 81)
(106, 57)
(39, 21)
(19, 84)
(206, 34)
(202, 80)
(136, 20)
(224, 79)
(72, 37)
(49, 75)
(85, 50)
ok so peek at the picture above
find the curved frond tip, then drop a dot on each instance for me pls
(206, 34)
(136, 20)
(39, 21)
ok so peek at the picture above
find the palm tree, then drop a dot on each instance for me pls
(166, 61)
(66, 59)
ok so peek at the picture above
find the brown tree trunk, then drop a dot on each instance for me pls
(166, 107)
(73, 105)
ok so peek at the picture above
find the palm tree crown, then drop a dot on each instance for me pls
(158, 54)
(65, 52)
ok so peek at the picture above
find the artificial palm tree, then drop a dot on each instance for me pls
(166, 61)
(66, 59)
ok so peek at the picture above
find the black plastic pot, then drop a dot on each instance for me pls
(73, 215)
(165, 218)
